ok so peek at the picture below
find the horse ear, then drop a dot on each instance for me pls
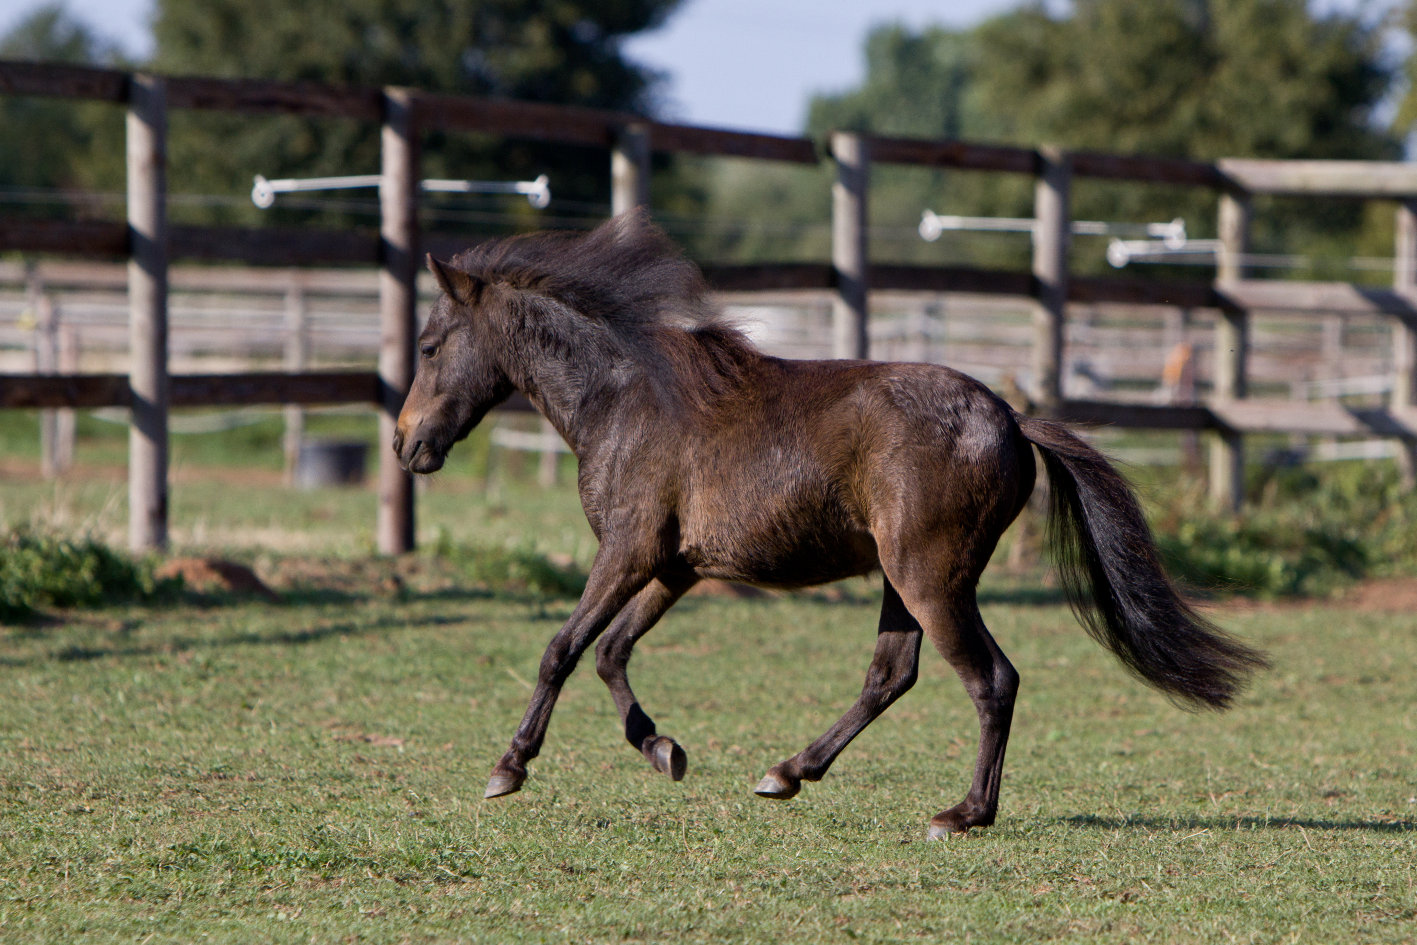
(459, 286)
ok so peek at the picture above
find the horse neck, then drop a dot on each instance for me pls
(571, 376)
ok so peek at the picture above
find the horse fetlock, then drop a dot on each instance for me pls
(666, 756)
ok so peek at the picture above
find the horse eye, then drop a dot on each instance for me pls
(429, 352)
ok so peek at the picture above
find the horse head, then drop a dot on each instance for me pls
(459, 377)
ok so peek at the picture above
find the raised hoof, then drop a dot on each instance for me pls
(666, 756)
(503, 783)
(777, 787)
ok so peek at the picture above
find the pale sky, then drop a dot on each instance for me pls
(742, 64)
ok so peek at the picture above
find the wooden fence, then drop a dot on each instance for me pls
(150, 245)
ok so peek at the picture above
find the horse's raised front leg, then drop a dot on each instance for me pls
(612, 656)
(610, 586)
(893, 671)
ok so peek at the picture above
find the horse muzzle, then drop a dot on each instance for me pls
(417, 454)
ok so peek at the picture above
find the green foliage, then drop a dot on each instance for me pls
(39, 570)
(1188, 78)
(57, 145)
(1305, 531)
(502, 570)
(1200, 79)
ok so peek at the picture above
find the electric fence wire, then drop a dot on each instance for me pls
(576, 214)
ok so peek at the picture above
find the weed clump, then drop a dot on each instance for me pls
(47, 570)
(511, 570)
(1303, 531)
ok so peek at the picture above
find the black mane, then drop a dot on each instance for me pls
(630, 278)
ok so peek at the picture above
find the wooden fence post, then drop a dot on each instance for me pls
(297, 358)
(1052, 236)
(398, 296)
(630, 170)
(66, 425)
(1404, 336)
(1232, 346)
(850, 258)
(147, 312)
(46, 361)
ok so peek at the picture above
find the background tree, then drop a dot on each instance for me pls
(56, 146)
(1177, 78)
(565, 53)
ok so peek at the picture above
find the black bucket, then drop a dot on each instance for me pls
(331, 463)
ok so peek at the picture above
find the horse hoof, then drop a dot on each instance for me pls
(503, 783)
(777, 787)
(956, 821)
(666, 756)
(941, 832)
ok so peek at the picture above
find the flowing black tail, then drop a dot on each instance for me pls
(1100, 539)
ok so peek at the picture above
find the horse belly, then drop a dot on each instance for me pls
(797, 546)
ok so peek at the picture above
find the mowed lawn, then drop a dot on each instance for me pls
(313, 771)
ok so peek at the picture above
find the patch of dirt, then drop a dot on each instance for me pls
(1381, 596)
(216, 576)
(1396, 595)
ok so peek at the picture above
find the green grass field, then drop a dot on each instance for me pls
(312, 771)
(228, 770)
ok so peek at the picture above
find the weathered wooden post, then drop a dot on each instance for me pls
(66, 425)
(398, 295)
(1404, 336)
(147, 308)
(1232, 344)
(297, 358)
(850, 258)
(1052, 237)
(46, 361)
(630, 169)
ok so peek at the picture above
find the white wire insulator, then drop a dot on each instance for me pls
(538, 192)
(1173, 234)
(263, 194)
(930, 228)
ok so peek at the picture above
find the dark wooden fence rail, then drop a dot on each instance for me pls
(404, 115)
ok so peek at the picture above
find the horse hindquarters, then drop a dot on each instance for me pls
(938, 508)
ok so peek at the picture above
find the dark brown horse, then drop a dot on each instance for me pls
(702, 457)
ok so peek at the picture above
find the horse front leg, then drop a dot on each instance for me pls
(610, 586)
(612, 657)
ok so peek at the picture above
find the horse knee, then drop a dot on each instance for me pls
(887, 682)
(611, 658)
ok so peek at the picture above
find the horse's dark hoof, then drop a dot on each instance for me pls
(666, 756)
(956, 821)
(778, 787)
(503, 782)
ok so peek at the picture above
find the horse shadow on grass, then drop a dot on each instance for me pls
(121, 649)
(1196, 823)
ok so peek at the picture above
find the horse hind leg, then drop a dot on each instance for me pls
(954, 625)
(892, 672)
(612, 657)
